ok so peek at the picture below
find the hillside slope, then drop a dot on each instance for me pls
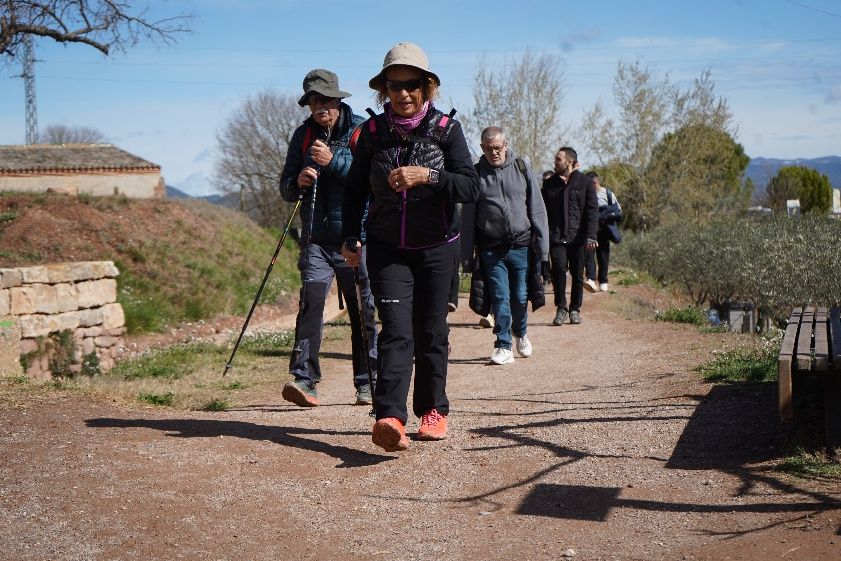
(182, 259)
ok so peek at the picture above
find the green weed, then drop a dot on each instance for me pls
(164, 399)
(8, 216)
(171, 363)
(692, 315)
(742, 365)
(216, 405)
(810, 466)
(235, 385)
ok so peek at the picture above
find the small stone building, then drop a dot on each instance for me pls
(92, 169)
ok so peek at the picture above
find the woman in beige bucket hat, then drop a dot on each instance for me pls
(412, 166)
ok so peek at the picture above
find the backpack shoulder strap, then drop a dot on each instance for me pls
(305, 145)
(439, 131)
(521, 165)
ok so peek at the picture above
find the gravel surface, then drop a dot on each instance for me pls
(603, 445)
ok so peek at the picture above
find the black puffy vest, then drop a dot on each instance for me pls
(420, 217)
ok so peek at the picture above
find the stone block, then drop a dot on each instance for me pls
(94, 331)
(35, 274)
(81, 271)
(113, 316)
(45, 298)
(87, 345)
(10, 348)
(105, 341)
(68, 297)
(5, 302)
(89, 318)
(116, 332)
(97, 293)
(10, 278)
(21, 300)
(68, 320)
(28, 346)
(37, 325)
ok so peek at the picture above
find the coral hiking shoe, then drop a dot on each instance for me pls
(390, 435)
(433, 426)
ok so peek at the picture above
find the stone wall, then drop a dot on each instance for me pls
(45, 300)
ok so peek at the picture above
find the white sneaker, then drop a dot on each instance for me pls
(603, 287)
(523, 346)
(502, 356)
(487, 321)
(591, 286)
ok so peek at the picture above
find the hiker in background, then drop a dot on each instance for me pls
(610, 214)
(510, 222)
(412, 164)
(317, 161)
(573, 212)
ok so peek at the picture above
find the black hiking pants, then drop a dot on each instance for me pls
(411, 290)
(568, 257)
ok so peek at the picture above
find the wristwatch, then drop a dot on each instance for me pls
(434, 176)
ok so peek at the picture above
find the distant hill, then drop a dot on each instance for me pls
(761, 170)
(173, 193)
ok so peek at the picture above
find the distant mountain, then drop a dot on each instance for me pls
(761, 170)
(173, 193)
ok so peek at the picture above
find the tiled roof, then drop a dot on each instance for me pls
(34, 158)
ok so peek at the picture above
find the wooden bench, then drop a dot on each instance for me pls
(812, 344)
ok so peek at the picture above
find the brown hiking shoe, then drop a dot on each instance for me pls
(300, 393)
(390, 435)
(433, 426)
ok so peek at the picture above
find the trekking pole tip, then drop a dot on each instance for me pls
(227, 367)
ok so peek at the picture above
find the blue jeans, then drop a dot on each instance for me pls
(505, 273)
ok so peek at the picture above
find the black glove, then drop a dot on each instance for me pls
(544, 272)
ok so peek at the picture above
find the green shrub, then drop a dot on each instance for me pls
(775, 263)
(164, 399)
(810, 465)
(692, 315)
(216, 405)
(742, 365)
(90, 364)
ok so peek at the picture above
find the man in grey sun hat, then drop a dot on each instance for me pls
(317, 161)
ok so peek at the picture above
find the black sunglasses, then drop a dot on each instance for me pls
(400, 85)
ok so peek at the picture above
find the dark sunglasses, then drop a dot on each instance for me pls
(400, 85)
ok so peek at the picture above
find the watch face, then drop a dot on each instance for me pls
(433, 176)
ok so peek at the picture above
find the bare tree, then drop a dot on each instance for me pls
(63, 134)
(649, 109)
(524, 99)
(101, 24)
(252, 149)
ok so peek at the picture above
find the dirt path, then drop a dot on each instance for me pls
(604, 442)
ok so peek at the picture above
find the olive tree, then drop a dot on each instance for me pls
(101, 24)
(252, 147)
(524, 99)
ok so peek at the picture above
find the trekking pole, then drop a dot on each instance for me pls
(364, 329)
(263, 284)
(306, 249)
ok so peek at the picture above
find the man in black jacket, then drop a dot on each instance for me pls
(573, 211)
(317, 163)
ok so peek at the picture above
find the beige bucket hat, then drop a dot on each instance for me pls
(404, 54)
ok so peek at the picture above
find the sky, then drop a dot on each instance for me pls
(776, 62)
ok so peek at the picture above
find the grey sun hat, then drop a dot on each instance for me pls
(322, 81)
(404, 54)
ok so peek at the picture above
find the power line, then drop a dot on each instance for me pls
(813, 9)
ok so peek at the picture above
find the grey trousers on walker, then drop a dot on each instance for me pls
(325, 262)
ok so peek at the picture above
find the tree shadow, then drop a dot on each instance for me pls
(285, 436)
(731, 430)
